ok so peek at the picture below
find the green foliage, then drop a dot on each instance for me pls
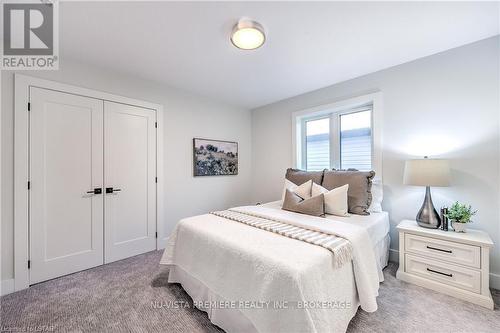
(460, 213)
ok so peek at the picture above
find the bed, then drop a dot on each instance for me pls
(252, 280)
(376, 224)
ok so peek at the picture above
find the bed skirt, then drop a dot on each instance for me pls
(231, 320)
(382, 252)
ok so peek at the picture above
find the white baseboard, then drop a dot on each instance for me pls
(494, 278)
(7, 287)
(494, 281)
(162, 243)
(394, 255)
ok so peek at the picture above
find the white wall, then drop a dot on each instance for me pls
(186, 116)
(445, 105)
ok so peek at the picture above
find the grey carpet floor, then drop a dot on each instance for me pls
(118, 297)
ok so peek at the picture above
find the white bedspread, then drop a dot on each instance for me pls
(376, 224)
(244, 264)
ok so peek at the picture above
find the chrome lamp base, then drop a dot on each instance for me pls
(427, 216)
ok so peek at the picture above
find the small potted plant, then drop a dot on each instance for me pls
(459, 215)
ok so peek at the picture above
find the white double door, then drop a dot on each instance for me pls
(92, 182)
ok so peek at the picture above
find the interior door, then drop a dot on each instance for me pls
(66, 166)
(129, 178)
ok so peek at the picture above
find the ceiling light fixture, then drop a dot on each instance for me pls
(248, 35)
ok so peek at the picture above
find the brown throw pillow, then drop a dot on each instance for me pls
(298, 177)
(313, 206)
(359, 195)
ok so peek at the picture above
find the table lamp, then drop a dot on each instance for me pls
(427, 172)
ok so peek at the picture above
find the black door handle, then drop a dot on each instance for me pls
(112, 190)
(97, 190)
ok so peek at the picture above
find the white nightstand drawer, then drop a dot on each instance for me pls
(452, 252)
(460, 277)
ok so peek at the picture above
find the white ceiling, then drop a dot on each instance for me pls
(309, 45)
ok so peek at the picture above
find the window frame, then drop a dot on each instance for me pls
(334, 111)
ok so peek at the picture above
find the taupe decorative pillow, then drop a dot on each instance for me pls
(298, 177)
(359, 195)
(313, 206)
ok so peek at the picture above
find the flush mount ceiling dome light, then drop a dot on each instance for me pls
(248, 35)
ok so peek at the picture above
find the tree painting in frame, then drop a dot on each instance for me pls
(214, 157)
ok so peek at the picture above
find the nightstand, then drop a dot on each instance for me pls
(456, 264)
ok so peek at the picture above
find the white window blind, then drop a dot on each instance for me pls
(318, 144)
(356, 140)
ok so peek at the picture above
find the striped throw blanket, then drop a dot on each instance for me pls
(340, 247)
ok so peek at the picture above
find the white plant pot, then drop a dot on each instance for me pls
(459, 227)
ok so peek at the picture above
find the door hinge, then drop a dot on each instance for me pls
(156, 234)
(29, 185)
(29, 106)
(156, 179)
(156, 124)
(29, 264)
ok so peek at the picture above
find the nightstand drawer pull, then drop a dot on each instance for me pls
(435, 248)
(433, 271)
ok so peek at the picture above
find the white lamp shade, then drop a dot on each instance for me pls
(427, 172)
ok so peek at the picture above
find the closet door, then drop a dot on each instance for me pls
(129, 178)
(66, 167)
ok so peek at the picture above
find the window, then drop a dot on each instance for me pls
(318, 144)
(340, 139)
(356, 140)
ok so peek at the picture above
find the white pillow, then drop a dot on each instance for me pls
(377, 196)
(303, 191)
(335, 200)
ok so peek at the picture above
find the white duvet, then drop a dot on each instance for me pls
(250, 266)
